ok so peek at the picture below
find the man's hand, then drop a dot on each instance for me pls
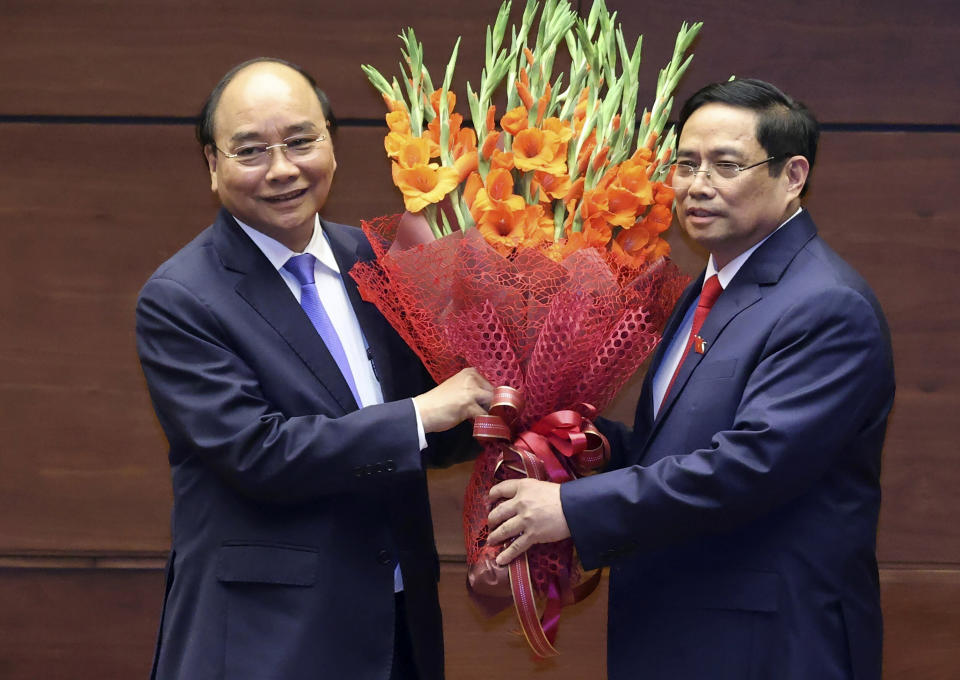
(465, 395)
(531, 512)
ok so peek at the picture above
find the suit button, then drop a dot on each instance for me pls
(390, 466)
(358, 472)
(383, 557)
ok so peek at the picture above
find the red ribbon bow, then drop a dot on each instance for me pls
(559, 447)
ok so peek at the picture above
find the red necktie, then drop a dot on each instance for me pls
(711, 291)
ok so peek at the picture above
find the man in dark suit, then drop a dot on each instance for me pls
(302, 539)
(739, 515)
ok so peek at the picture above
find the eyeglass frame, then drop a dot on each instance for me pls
(712, 166)
(285, 145)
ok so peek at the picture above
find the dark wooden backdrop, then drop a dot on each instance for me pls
(101, 181)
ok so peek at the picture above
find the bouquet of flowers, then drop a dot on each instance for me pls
(531, 250)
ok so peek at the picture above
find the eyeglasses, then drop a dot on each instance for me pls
(720, 174)
(300, 147)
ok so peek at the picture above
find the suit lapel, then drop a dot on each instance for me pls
(348, 247)
(763, 268)
(644, 414)
(262, 287)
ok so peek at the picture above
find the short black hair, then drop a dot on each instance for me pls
(785, 127)
(204, 129)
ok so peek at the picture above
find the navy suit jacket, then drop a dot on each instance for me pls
(291, 506)
(740, 523)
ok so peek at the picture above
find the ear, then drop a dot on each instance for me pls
(796, 171)
(210, 153)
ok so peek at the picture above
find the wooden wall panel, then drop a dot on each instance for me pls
(901, 229)
(76, 624)
(852, 62)
(161, 59)
(874, 62)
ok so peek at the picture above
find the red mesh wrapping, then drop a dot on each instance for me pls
(564, 333)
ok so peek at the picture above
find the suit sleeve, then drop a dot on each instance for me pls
(823, 377)
(211, 406)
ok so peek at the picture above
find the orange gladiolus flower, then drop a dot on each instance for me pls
(491, 113)
(498, 191)
(623, 206)
(641, 155)
(465, 164)
(535, 149)
(408, 151)
(600, 158)
(594, 201)
(465, 142)
(538, 227)
(576, 191)
(658, 249)
(634, 179)
(585, 152)
(399, 122)
(502, 227)
(523, 89)
(580, 240)
(542, 104)
(560, 128)
(658, 219)
(470, 189)
(490, 144)
(423, 185)
(502, 160)
(392, 104)
(515, 120)
(435, 101)
(628, 248)
(651, 140)
(393, 143)
(433, 129)
(663, 194)
(550, 186)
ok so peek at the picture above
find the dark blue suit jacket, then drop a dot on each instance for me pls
(740, 524)
(291, 507)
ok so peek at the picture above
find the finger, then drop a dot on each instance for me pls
(475, 410)
(498, 516)
(506, 489)
(513, 551)
(503, 527)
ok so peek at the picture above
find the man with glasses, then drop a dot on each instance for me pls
(302, 539)
(739, 515)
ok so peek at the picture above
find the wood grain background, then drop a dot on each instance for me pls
(103, 181)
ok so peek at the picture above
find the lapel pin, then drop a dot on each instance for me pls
(699, 344)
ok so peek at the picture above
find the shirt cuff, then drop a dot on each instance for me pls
(421, 435)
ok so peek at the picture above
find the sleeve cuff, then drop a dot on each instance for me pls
(421, 435)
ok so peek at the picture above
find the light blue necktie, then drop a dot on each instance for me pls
(302, 267)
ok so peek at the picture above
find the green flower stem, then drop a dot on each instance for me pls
(430, 214)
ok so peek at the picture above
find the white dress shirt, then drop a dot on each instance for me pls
(678, 343)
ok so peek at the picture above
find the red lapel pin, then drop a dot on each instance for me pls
(699, 344)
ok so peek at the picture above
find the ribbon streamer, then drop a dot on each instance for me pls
(559, 447)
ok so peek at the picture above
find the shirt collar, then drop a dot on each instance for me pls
(733, 266)
(278, 254)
